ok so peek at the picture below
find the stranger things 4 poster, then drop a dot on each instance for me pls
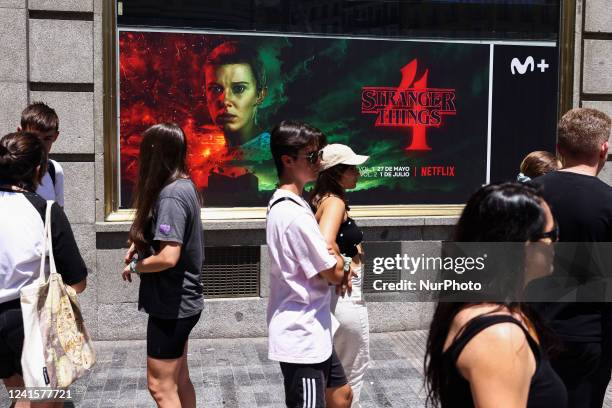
(418, 109)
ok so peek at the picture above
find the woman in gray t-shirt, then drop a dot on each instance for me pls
(167, 237)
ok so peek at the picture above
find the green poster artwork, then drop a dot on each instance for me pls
(418, 109)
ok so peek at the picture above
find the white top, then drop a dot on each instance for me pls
(50, 191)
(299, 317)
(21, 244)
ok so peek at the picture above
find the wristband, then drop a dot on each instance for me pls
(347, 263)
(133, 266)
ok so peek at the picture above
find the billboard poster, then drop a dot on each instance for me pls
(420, 110)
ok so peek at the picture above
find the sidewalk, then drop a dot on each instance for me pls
(233, 373)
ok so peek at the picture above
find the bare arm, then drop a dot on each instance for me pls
(130, 254)
(335, 274)
(167, 257)
(499, 365)
(79, 286)
(330, 216)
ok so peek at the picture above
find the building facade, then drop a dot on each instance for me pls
(54, 51)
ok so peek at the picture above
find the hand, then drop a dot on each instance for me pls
(344, 288)
(129, 254)
(347, 284)
(127, 274)
(331, 251)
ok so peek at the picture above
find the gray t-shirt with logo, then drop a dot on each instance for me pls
(175, 292)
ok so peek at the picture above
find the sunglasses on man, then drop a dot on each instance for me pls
(552, 234)
(313, 156)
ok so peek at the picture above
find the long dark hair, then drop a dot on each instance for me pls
(162, 160)
(508, 212)
(20, 154)
(328, 183)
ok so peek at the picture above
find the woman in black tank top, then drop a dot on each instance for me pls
(492, 354)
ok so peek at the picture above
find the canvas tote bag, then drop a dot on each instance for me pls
(57, 348)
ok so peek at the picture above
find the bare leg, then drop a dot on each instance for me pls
(16, 381)
(339, 397)
(162, 379)
(186, 391)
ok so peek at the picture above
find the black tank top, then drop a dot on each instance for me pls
(546, 390)
(349, 237)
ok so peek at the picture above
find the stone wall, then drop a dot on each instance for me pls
(593, 61)
(51, 51)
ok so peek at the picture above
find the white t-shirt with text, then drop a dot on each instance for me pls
(299, 317)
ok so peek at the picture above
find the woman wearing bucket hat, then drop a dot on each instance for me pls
(338, 172)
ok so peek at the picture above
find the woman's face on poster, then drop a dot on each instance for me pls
(232, 97)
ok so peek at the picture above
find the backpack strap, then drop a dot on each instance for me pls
(281, 200)
(51, 170)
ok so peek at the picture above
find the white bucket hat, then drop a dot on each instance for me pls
(336, 153)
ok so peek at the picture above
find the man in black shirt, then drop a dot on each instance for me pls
(582, 206)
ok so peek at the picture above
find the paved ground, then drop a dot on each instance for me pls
(236, 373)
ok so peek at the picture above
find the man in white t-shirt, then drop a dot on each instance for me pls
(302, 268)
(40, 119)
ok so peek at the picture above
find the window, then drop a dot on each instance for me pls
(467, 19)
(318, 65)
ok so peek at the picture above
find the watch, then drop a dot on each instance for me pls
(133, 266)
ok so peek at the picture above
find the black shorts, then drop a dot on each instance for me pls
(11, 338)
(166, 338)
(305, 384)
